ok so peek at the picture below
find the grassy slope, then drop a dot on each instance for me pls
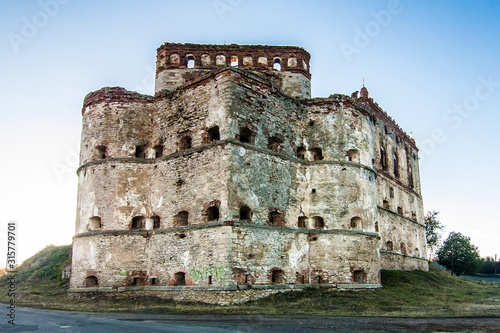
(415, 293)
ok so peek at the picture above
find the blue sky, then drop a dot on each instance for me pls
(432, 65)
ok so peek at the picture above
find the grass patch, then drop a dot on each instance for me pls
(409, 294)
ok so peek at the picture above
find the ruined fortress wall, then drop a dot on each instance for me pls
(116, 258)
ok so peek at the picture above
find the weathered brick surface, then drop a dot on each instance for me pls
(233, 178)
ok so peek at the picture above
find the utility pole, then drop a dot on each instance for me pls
(451, 261)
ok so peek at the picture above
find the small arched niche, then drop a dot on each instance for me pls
(138, 222)
(91, 281)
(353, 155)
(220, 60)
(181, 219)
(389, 246)
(100, 152)
(213, 213)
(205, 60)
(318, 222)
(303, 222)
(156, 221)
(317, 154)
(95, 223)
(276, 219)
(185, 142)
(274, 143)
(301, 153)
(213, 134)
(246, 135)
(180, 279)
(356, 223)
(245, 213)
(277, 276)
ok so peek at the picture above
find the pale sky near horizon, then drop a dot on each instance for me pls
(432, 65)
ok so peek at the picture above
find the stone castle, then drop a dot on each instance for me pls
(232, 183)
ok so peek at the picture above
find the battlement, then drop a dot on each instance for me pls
(114, 94)
(176, 64)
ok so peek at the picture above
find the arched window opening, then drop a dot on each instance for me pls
(100, 152)
(400, 210)
(389, 246)
(410, 177)
(213, 213)
(356, 223)
(156, 221)
(213, 134)
(383, 159)
(317, 154)
(91, 281)
(175, 59)
(140, 151)
(180, 279)
(185, 142)
(246, 135)
(154, 281)
(301, 153)
(95, 223)
(403, 248)
(277, 276)
(391, 192)
(414, 216)
(247, 61)
(396, 165)
(181, 219)
(276, 219)
(138, 222)
(274, 144)
(303, 222)
(359, 276)
(318, 222)
(158, 150)
(376, 226)
(220, 60)
(205, 60)
(245, 213)
(190, 62)
(277, 64)
(234, 61)
(386, 204)
(417, 252)
(353, 155)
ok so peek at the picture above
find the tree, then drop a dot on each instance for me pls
(459, 255)
(433, 229)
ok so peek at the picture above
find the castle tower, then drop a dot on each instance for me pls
(232, 179)
(287, 67)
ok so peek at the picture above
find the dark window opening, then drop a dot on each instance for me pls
(301, 153)
(210, 279)
(318, 222)
(158, 150)
(313, 190)
(185, 142)
(400, 211)
(359, 276)
(247, 280)
(135, 281)
(180, 279)
(213, 213)
(383, 159)
(156, 221)
(154, 281)
(276, 219)
(302, 223)
(403, 248)
(386, 204)
(356, 222)
(138, 223)
(213, 134)
(100, 152)
(389, 246)
(91, 281)
(318, 279)
(414, 216)
(140, 151)
(245, 213)
(396, 165)
(376, 226)
(391, 192)
(246, 135)
(311, 123)
(277, 276)
(181, 219)
(317, 154)
(95, 223)
(274, 144)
